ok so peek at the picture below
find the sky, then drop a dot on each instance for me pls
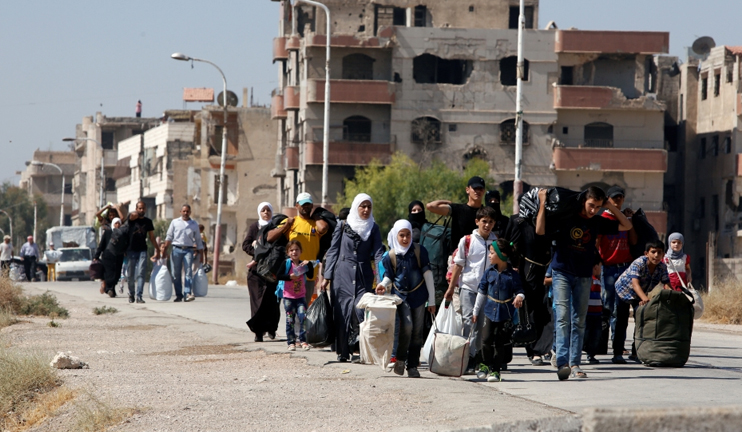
(64, 60)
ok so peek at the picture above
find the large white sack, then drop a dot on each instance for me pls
(447, 321)
(376, 337)
(160, 284)
(200, 283)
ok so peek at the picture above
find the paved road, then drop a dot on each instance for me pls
(711, 377)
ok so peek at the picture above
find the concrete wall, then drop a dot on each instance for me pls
(631, 129)
(642, 189)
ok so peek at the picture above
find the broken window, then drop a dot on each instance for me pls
(387, 16)
(357, 128)
(704, 88)
(106, 140)
(429, 69)
(515, 13)
(702, 149)
(728, 145)
(598, 134)
(717, 84)
(420, 16)
(567, 75)
(508, 130)
(715, 145)
(509, 71)
(426, 130)
(730, 74)
(358, 67)
(110, 185)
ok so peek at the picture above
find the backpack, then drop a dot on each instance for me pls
(270, 256)
(437, 240)
(467, 243)
(119, 242)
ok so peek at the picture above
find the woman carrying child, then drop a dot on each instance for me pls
(407, 275)
(678, 262)
(500, 292)
(294, 275)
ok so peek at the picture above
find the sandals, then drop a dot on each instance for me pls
(577, 373)
(305, 346)
(292, 347)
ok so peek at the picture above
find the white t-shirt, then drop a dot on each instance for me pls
(6, 251)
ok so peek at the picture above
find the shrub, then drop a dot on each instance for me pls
(22, 377)
(105, 310)
(13, 300)
(723, 305)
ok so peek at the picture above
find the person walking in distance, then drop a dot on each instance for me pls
(6, 255)
(183, 234)
(306, 228)
(30, 255)
(140, 228)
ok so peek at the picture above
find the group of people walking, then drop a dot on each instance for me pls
(503, 270)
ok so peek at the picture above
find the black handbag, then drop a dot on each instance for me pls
(523, 333)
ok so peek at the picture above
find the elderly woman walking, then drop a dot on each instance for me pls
(356, 245)
(264, 308)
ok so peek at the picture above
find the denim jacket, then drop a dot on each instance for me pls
(501, 289)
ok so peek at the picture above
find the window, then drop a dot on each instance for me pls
(717, 84)
(730, 74)
(110, 184)
(567, 75)
(400, 16)
(509, 71)
(420, 16)
(704, 88)
(702, 149)
(452, 127)
(507, 132)
(715, 145)
(429, 69)
(728, 145)
(515, 13)
(107, 140)
(598, 134)
(357, 128)
(426, 130)
(216, 189)
(471, 8)
(358, 67)
(565, 130)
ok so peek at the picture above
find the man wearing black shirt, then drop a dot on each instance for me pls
(140, 228)
(463, 216)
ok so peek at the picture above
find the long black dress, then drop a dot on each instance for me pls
(111, 263)
(264, 309)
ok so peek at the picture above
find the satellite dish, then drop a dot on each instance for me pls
(231, 99)
(703, 45)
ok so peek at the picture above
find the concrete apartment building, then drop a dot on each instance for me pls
(711, 128)
(178, 163)
(87, 183)
(435, 79)
(47, 182)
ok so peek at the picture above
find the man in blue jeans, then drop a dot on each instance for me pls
(185, 236)
(572, 267)
(140, 228)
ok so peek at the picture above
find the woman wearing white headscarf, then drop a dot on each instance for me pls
(356, 244)
(264, 308)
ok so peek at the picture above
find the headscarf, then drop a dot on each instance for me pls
(114, 221)
(391, 239)
(671, 253)
(493, 194)
(416, 219)
(261, 206)
(362, 227)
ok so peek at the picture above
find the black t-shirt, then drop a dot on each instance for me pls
(575, 251)
(138, 230)
(463, 222)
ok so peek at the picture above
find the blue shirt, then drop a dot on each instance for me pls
(639, 269)
(408, 275)
(503, 287)
(29, 250)
(184, 234)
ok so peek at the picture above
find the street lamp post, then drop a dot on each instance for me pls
(218, 228)
(10, 222)
(102, 167)
(518, 182)
(61, 208)
(326, 126)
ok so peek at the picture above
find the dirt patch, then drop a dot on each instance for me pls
(140, 327)
(196, 350)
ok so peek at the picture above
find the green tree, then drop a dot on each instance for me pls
(19, 205)
(394, 186)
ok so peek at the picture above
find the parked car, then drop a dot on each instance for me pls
(74, 263)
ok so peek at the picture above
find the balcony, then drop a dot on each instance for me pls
(292, 157)
(110, 158)
(597, 97)
(352, 91)
(279, 49)
(292, 98)
(347, 41)
(612, 42)
(277, 111)
(293, 43)
(347, 153)
(610, 159)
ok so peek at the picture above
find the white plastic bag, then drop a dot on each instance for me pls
(160, 284)
(447, 321)
(376, 338)
(200, 283)
(697, 302)
(449, 354)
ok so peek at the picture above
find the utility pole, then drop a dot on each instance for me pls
(518, 182)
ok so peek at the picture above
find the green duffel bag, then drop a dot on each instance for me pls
(663, 330)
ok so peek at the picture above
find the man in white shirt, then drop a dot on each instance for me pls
(185, 237)
(6, 255)
(30, 255)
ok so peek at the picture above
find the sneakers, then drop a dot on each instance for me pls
(537, 361)
(392, 360)
(399, 368)
(178, 299)
(139, 300)
(618, 360)
(563, 372)
(190, 297)
(305, 346)
(483, 371)
(592, 360)
(413, 373)
(292, 347)
(494, 377)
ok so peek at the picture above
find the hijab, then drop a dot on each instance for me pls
(671, 253)
(261, 206)
(360, 226)
(416, 219)
(114, 221)
(391, 239)
(493, 194)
